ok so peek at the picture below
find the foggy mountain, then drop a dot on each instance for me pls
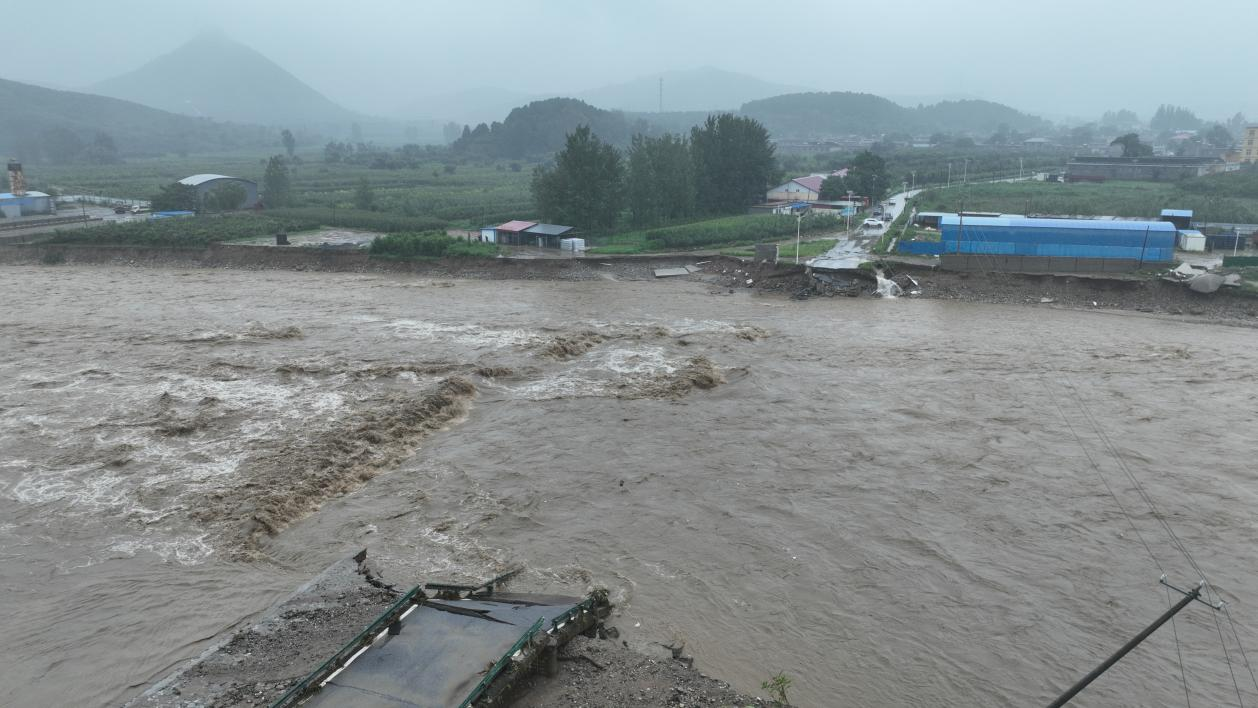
(216, 77)
(468, 107)
(812, 115)
(45, 125)
(703, 89)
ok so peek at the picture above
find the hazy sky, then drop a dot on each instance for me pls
(1067, 57)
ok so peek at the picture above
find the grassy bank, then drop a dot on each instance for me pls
(1131, 199)
(712, 233)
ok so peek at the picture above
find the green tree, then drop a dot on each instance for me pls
(1219, 136)
(733, 163)
(290, 143)
(584, 188)
(833, 187)
(175, 196)
(364, 196)
(1170, 117)
(868, 176)
(660, 182)
(226, 197)
(277, 187)
(1132, 147)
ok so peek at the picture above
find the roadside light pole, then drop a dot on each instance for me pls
(965, 173)
(949, 174)
(848, 212)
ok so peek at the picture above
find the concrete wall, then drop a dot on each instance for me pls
(972, 263)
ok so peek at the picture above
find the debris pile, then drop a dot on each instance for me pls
(1201, 279)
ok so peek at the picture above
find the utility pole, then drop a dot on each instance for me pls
(914, 179)
(949, 174)
(798, 219)
(848, 212)
(1019, 168)
(965, 173)
(1062, 700)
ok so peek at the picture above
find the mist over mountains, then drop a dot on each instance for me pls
(216, 77)
(215, 93)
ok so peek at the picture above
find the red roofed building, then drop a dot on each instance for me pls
(801, 189)
(511, 232)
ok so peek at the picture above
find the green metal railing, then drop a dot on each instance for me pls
(501, 664)
(304, 687)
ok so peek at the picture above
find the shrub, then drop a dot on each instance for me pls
(360, 219)
(187, 232)
(432, 244)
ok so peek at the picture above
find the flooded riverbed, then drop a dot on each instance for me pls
(884, 499)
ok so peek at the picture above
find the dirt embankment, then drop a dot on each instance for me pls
(1142, 295)
(1119, 292)
(1086, 292)
(244, 257)
(608, 674)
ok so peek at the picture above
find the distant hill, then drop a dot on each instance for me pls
(700, 90)
(213, 76)
(703, 89)
(467, 107)
(44, 125)
(541, 127)
(816, 115)
(975, 116)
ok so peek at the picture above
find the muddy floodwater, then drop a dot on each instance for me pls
(893, 501)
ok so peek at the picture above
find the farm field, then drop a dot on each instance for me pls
(470, 194)
(1132, 199)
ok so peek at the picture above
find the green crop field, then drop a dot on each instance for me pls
(473, 195)
(723, 231)
(1207, 199)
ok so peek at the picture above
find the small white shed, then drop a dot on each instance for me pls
(1192, 240)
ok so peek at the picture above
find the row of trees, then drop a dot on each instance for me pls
(724, 165)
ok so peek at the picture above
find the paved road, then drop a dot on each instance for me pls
(853, 249)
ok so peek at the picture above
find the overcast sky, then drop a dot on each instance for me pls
(1067, 57)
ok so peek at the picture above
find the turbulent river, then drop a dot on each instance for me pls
(893, 501)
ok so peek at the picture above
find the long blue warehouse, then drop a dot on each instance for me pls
(1144, 241)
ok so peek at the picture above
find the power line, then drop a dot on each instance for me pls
(1175, 540)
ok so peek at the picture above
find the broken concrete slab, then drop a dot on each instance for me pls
(670, 272)
(1206, 283)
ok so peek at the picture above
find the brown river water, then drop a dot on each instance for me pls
(886, 499)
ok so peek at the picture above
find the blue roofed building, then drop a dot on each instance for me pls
(1010, 242)
(30, 203)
